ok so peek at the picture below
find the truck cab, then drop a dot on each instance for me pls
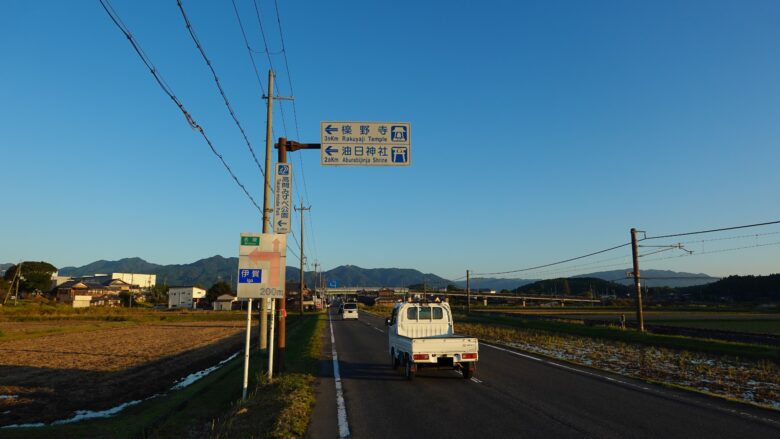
(421, 335)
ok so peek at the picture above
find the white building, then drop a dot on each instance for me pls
(185, 297)
(144, 281)
(225, 302)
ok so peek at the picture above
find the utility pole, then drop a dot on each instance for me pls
(266, 197)
(282, 303)
(314, 280)
(640, 318)
(16, 278)
(468, 292)
(303, 281)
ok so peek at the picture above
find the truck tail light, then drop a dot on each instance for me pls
(469, 356)
(420, 356)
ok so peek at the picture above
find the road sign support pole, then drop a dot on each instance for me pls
(282, 341)
(246, 349)
(271, 349)
(640, 318)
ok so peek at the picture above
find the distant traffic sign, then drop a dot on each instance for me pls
(365, 143)
(282, 197)
(261, 265)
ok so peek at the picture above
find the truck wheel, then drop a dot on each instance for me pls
(467, 370)
(409, 369)
(394, 363)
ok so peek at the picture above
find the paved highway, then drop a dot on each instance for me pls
(512, 395)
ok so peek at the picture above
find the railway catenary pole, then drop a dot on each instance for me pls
(303, 280)
(266, 199)
(640, 318)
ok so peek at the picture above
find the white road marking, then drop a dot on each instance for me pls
(476, 380)
(340, 405)
(629, 384)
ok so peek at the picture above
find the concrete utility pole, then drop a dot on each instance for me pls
(303, 280)
(640, 318)
(266, 197)
(468, 292)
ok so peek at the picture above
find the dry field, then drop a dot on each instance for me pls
(99, 365)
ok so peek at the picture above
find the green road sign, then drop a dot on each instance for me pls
(250, 240)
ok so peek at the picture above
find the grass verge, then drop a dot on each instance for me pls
(281, 409)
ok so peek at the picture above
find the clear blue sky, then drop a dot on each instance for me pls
(540, 130)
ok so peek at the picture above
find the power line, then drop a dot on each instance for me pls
(756, 235)
(711, 231)
(168, 91)
(555, 263)
(198, 44)
(725, 250)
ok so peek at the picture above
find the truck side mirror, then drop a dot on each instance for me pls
(387, 321)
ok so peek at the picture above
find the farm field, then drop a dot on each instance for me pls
(755, 322)
(51, 368)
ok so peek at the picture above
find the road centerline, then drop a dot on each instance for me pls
(341, 407)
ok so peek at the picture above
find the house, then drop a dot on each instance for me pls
(93, 291)
(225, 302)
(185, 297)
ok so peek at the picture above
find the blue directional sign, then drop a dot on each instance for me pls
(365, 143)
(333, 284)
(282, 197)
(250, 276)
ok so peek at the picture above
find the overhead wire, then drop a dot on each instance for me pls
(555, 263)
(169, 92)
(199, 46)
(710, 231)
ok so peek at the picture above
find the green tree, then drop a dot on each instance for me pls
(34, 275)
(217, 290)
(159, 293)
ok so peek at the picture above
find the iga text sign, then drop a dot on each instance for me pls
(365, 143)
(261, 265)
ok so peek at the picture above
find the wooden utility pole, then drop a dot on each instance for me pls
(468, 292)
(17, 279)
(640, 318)
(303, 280)
(281, 342)
(266, 198)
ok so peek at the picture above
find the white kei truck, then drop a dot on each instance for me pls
(421, 335)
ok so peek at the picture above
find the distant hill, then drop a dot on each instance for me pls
(351, 275)
(756, 289)
(4, 267)
(207, 271)
(496, 284)
(575, 286)
(655, 278)
(127, 265)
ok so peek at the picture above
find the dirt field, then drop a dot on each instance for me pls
(49, 377)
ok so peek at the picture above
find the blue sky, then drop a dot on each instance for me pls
(540, 130)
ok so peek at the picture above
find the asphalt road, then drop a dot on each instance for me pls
(513, 394)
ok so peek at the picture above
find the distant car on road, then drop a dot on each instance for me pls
(349, 311)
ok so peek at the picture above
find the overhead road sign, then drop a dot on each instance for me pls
(261, 265)
(365, 143)
(282, 197)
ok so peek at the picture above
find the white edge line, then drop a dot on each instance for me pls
(340, 405)
(625, 383)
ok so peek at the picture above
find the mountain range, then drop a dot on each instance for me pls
(207, 271)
